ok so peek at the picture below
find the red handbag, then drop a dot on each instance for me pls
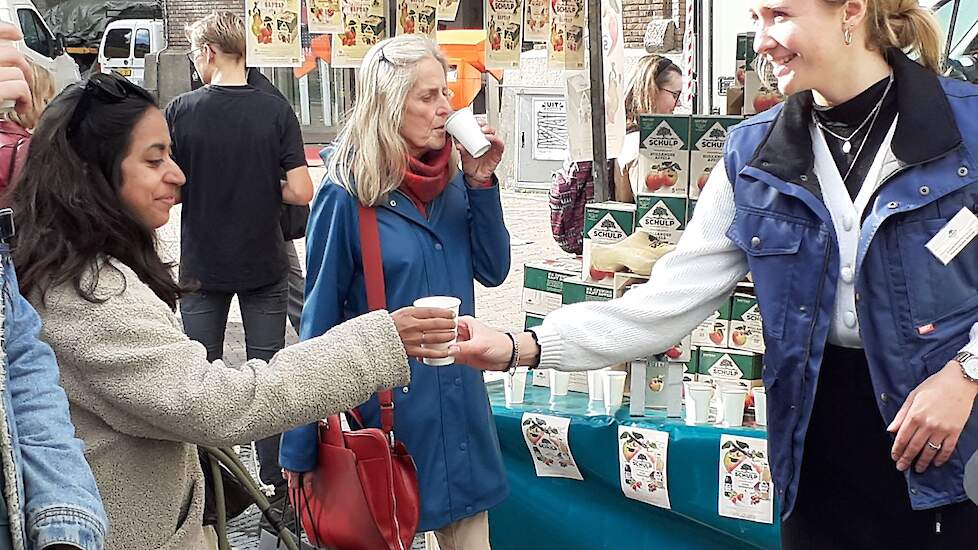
(365, 489)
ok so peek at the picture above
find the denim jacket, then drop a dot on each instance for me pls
(48, 486)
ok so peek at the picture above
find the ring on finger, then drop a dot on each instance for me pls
(422, 338)
(936, 447)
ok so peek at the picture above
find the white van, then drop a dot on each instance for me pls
(40, 44)
(125, 44)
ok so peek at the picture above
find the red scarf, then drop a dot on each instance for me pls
(426, 178)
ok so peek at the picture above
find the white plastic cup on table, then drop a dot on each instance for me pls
(595, 385)
(760, 406)
(614, 388)
(558, 383)
(732, 401)
(698, 396)
(514, 385)
(464, 127)
(441, 302)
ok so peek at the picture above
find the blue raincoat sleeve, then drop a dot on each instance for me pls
(488, 235)
(330, 265)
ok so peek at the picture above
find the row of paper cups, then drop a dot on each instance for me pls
(603, 385)
(731, 409)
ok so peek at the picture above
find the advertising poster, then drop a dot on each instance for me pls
(546, 439)
(324, 16)
(578, 115)
(536, 21)
(417, 17)
(746, 490)
(272, 33)
(642, 455)
(447, 10)
(504, 33)
(364, 24)
(613, 48)
(549, 129)
(565, 46)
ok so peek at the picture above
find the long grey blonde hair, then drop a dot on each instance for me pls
(369, 156)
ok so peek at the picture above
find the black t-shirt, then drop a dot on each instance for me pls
(233, 143)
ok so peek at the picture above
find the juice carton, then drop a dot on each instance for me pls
(715, 329)
(663, 216)
(746, 327)
(707, 136)
(543, 283)
(663, 158)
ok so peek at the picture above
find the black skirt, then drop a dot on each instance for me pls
(850, 494)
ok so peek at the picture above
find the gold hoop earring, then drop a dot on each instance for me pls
(847, 35)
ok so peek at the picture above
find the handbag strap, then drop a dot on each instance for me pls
(373, 276)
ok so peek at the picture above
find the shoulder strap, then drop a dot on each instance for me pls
(373, 278)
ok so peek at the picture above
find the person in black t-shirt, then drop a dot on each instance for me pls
(234, 142)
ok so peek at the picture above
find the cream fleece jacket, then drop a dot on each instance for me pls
(142, 394)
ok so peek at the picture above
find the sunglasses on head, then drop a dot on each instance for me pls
(105, 89)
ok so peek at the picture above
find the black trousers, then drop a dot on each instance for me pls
(850, 494)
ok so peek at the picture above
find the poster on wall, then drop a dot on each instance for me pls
(364, 24)
(642, 455)
(549, 129)
(504, 33)
(272, 36)
(536, 20)
(613, 48)
(546, 439)
(578, 93)
(746, 490)
(417, 17)
(448, 10)
(565, 45)
(324, 16)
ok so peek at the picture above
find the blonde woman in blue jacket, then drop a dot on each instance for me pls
(439, 231)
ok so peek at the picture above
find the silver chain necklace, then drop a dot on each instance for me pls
(847, 141)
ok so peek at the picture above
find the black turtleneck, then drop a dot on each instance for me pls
(843, 119)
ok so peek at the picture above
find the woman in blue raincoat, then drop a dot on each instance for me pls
(439, 230)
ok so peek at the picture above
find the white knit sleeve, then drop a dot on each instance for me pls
(685, 287)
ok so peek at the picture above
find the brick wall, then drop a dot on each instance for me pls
(638, 13)
(181, 12)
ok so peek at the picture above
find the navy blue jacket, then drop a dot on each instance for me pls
(443, 417)
(786, 231)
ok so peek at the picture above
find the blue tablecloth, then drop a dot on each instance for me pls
(557, 513)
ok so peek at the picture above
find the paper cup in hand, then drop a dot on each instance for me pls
(463, 126)
(441, 302)
(760, 406)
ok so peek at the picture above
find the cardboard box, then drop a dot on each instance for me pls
(663, 157)
(689, 210)
(707, 136)
(623, 281)
(746, 326)
(532, 320)
(576, 290)
(729, 364)
(664, 217)
(605, 223)
(543, 283)
(715, 329)
(655, 385)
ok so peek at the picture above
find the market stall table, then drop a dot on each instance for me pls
(551, 513)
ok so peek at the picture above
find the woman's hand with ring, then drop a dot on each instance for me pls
(478, 171)
(419, 327)
(928, 425)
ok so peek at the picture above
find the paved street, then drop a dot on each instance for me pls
(527, 217)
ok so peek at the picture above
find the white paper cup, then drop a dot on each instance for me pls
(595, 385)
(732, 402)
(760, 406)
(441, 302)
(514, 385)
(614, 388)
(463, 126)
(558, 383)
(698, 396)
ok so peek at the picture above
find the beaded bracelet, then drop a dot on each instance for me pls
(514, 358)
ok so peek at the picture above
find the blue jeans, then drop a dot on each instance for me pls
(263, 313)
